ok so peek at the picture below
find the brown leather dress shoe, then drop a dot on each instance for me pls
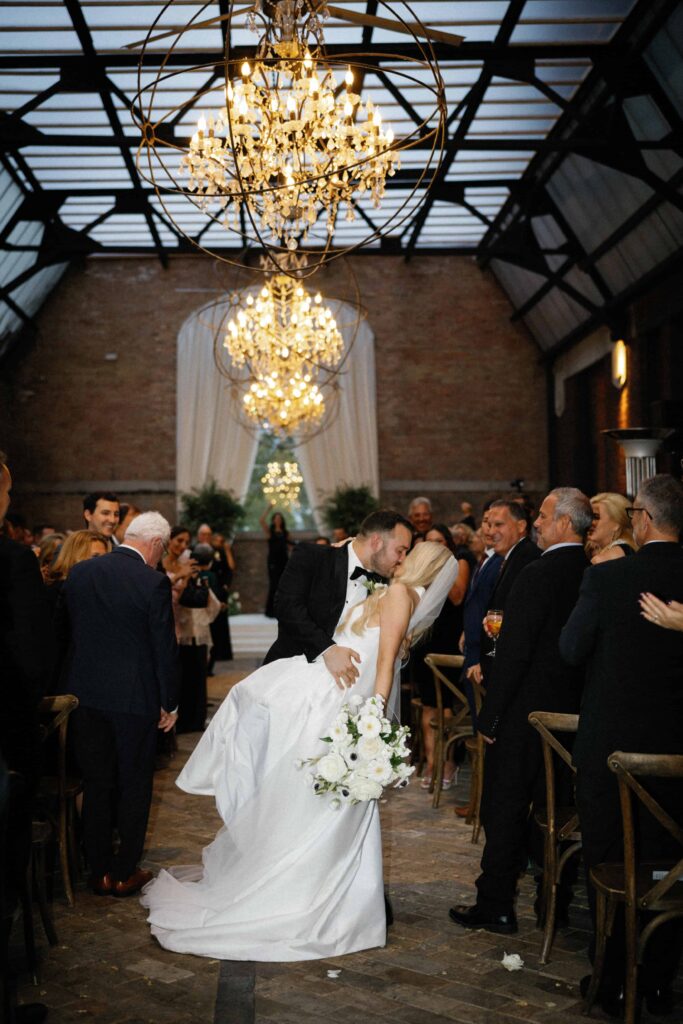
(463, 812)
(102, 885)
(132, 884)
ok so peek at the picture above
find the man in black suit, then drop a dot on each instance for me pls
(122, 665)
(633, 701)
(320, 584)
(527, 675)
(26, 652)
(509, 531)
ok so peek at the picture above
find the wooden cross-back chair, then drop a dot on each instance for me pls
(57, 793)
(559, 824)
(641, 886)
(449, 729)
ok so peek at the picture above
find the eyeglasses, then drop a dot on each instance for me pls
(631, 511)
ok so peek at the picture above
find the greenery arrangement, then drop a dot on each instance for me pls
(213, 505)
(348, 507)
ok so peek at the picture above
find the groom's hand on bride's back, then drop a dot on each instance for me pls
(340, 665)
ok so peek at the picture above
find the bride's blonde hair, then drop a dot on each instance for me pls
(420, 568)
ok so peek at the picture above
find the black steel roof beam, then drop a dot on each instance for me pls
(465, 53)
(400, 98)
(578, 250)
(16, 309)
(474, 99)
(95, 60)
(36, 101)
(554, 280)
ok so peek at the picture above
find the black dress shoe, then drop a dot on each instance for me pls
(659, 1001)
(475, 917)
(389, 910)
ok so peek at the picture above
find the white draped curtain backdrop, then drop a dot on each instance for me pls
(212, 443)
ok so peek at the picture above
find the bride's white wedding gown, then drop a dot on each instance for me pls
(287, 877)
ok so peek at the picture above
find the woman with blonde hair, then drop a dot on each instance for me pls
(77, 547)
(610, 536)
(47, 550)
(293, 876)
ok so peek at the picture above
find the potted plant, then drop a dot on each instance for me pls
(348, 506)
(213, 505)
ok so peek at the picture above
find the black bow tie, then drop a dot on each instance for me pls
(374, 577)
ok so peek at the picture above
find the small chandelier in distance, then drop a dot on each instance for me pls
(282, 484)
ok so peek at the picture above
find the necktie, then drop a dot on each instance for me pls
(373, 576)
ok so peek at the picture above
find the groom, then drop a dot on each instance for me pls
(320, 584)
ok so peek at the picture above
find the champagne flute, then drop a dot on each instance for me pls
(494, 621)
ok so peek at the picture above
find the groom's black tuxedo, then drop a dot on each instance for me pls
(310, 601)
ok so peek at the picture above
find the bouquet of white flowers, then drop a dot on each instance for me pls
(367, 752)
(234, 603)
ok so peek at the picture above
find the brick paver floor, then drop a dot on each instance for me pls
(107, 968)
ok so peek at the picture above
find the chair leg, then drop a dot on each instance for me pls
(27, 921)
(600, 946)
(71, 825)
(437, 769)
(39, 878)
(64, 856)
(631, 981)
(476, 804)
(549, 906)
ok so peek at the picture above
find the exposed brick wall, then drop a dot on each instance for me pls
(460, 389)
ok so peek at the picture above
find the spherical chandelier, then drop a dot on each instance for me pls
(282, 484)
(285, 143)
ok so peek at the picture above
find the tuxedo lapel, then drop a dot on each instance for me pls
(341, 573)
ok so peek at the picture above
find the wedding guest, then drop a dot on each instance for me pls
(610, 536)
(178, 566)
(467, 515)
(101, 512)
(420, 515)
(443, 639)
(41, 531)
(122, 666)
(668, 615)
(127, 514)
(339, 534)
(194, 638)
(325, 541)
(47, 551)
(77, 547)
(462, 534)
(224, 567)
(14, 527)
(278, 553)
(509, 526)
(527, 674)
(25, 657)
(632, 701)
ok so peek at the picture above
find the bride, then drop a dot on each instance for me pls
(288, 877)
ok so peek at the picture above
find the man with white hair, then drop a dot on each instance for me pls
(420, 515)
(122, 664)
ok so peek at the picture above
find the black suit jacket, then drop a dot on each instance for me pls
(633, 698)
(528, 673)
(122, 654)
(26, 653)
(309, 601)
(521, 555)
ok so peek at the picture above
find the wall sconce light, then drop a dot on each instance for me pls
(619, 364)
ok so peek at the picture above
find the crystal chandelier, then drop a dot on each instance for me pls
(281, 327)
(284, 404)
(282, 484)
(286, 145)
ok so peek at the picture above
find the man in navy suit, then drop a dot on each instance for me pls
(122, 665)
(477, 601)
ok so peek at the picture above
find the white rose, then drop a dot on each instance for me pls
(369, 725)
(362, 789)
(332, 767)
(404, 771)
(379, 771)
(369, 747)
(356, 700)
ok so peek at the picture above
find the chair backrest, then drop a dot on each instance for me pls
(436, 662)
(546, 723)
(54, 714)
(629, 768)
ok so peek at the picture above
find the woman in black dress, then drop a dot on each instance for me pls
(444, 639)
(611, 535)
(278, 553)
